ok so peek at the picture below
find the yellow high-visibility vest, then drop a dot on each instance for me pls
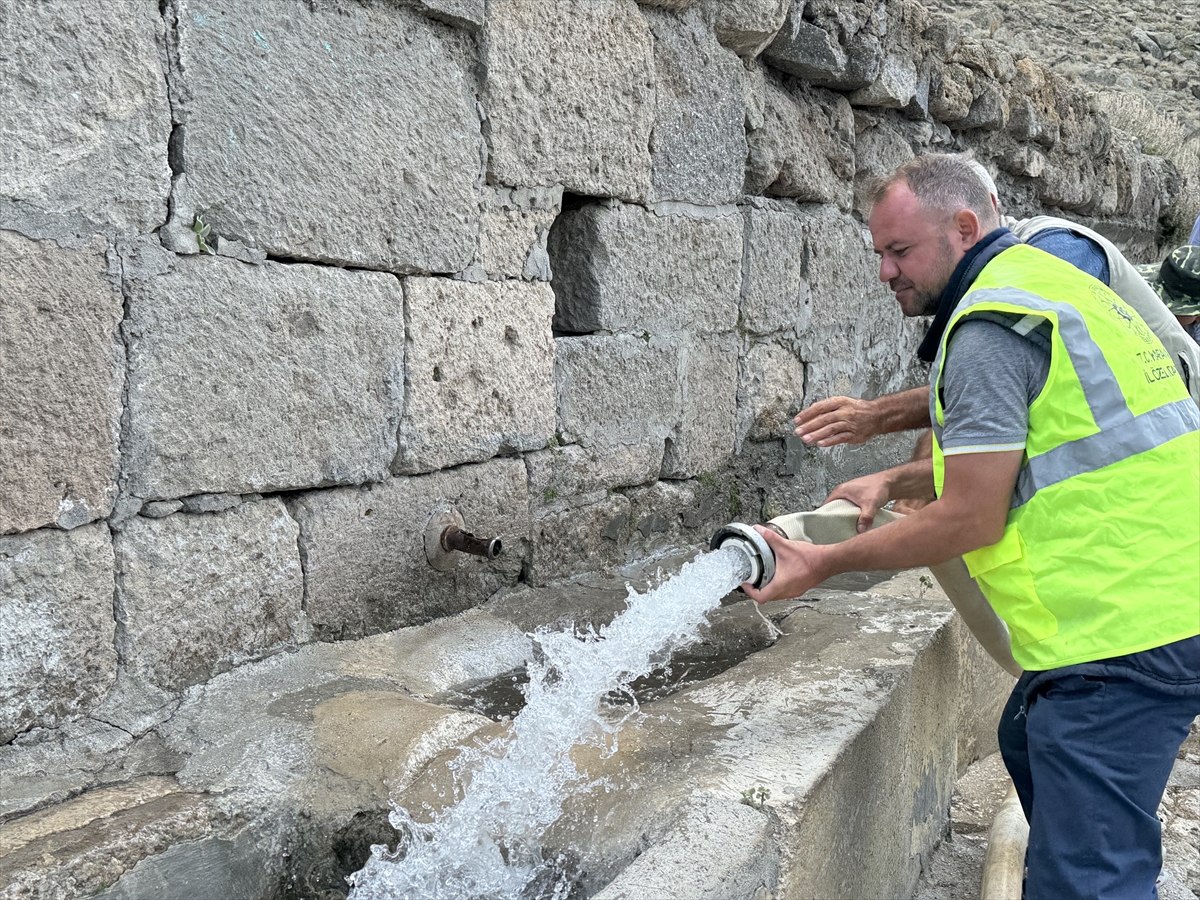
(1101, 550)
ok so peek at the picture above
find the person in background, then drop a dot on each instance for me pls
(1195, 238)
(1176, 280)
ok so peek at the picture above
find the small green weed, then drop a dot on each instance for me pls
(202, 230)
(756, 796)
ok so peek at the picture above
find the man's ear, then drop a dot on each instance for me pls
(967, 227)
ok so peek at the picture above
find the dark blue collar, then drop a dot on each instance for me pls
(964, 274)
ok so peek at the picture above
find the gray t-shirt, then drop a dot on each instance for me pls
(991, 375)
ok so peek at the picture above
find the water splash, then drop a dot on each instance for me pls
(487, 846)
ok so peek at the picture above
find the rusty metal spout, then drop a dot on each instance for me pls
(454, 538)
(446, 537)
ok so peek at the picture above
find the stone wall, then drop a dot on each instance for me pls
(280, 279)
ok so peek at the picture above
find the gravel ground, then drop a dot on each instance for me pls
(1149, 47)
(955, 871)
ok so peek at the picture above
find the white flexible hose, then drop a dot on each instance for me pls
(837, 521)
(1004, 865)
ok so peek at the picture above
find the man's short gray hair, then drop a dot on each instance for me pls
(946, 183)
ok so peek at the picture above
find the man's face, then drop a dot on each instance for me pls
(918, 249)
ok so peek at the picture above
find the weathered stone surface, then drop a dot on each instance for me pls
(572, 538)
(60, 394)
(467, 14)
(857, 342)
(698, 144)
(47, 765)
(617, 389)
(160, 509)
(951, 93)
(770, 392)
(512, 233)
(986, 57)
(86, 118)
(880, 148)
(775, 295)
(1032, 98)
(480, 371)
(804, 148)
(93, 839)
(893, 88)
(669, 514)
(250, 378)
(345, 134)
(705, 437)
(569, 95)
(209, 503)
(989, 109)
(569, 471)
(624, 268)
(747, 26)
(364, 556)
(233, 594)
(829, 44)
(688, 855)
(57, 659)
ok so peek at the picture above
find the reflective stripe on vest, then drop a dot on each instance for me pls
(1121, 434)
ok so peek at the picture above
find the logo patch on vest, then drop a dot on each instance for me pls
(1124, 314)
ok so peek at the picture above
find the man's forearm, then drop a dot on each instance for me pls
(911, 481)
(925, 538)
(970, 514)
(903, 411)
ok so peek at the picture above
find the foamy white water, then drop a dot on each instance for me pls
(487, 846)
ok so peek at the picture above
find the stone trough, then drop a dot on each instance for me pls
(273, 780)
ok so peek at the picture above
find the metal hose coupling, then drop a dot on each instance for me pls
(759, 554)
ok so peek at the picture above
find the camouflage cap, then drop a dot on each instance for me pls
(1177, 280)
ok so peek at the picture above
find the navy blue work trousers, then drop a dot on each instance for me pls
(1089, 749)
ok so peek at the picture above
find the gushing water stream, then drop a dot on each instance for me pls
(487, 846)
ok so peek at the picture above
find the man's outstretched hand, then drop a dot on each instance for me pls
(838, 420)
(848, 420)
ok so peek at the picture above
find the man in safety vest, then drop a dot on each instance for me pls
(851, 420)
(1066, 472)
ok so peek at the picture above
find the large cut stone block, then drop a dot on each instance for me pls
(617, 389)
(569, 95)
(56, 601)
(480, 371)
(704, 440)
(699, 140)
(199, 594)
(775, 295)
(364, 556)
(624, 268)
(60, 392)
(86, 117)
(338, 132)
(253, 378)
(803, 147)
